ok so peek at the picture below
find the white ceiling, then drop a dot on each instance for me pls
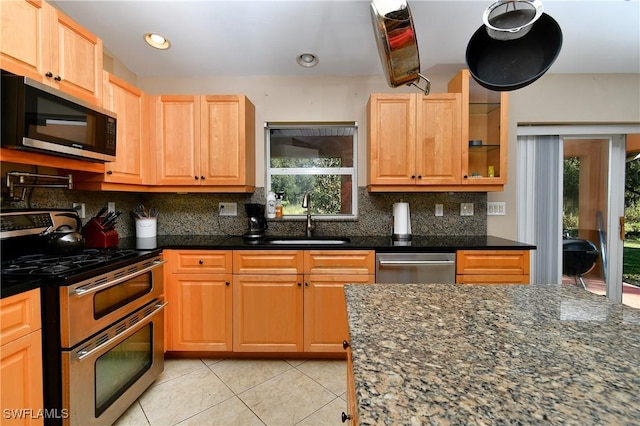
(241, 37)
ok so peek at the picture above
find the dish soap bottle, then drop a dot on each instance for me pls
(279, 204)
(271, 205)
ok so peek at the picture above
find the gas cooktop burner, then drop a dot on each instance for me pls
(43, 264)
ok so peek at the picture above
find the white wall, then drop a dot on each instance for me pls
(555, 98)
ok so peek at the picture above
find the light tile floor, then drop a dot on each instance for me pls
(243, 392)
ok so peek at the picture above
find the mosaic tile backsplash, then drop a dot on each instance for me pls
(197, 214)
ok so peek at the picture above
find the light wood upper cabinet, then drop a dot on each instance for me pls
(42, 43)
(485, 119)
(21, 357)
(177, 140)
(205, 140)
(414, 141)
(227, 133)
(132, 145)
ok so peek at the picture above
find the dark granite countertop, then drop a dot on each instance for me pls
(12, 286)
(381, 244)
(501, 354)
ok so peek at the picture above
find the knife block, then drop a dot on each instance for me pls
(95, 235)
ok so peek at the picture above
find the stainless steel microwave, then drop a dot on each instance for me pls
(39, 118)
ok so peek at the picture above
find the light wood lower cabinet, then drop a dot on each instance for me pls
(352, 411)
(21, 358)
(318, 306)
(492, 267)
(261, 300)
(267, 313)
(198, 289)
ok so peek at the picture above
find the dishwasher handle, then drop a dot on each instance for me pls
(415, 262)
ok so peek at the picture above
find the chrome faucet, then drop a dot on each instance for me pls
(306, 204)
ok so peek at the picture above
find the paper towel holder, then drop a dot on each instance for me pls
(401, 227)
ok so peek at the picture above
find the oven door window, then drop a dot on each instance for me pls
(122, 366)
(117, 296)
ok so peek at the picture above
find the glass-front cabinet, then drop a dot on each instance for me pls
(484, 132)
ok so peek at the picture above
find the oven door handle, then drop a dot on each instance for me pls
(124, 335)
(83, 291)
(416, 262)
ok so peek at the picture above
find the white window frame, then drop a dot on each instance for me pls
(351, 171)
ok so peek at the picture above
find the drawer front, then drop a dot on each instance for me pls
(358, 262)
(267, 262)
(200, 261)
(19, 315)
(492, 279)
(482, 262)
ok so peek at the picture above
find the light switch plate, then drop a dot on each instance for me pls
(466, 209)
(439, 210)
(496, 208)
(228, 209)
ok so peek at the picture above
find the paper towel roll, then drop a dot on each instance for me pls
(401, 219)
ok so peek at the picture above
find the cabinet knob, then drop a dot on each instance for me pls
(345, 344)
(419, 176)
(306, 284)
(201, 177)
(201, 262)
(299, 284)
(465, 176)
(413, 176)
(109, 172)
(57, 78)
(49, 74)
(227, 283)
(345, 417)
(196, 177)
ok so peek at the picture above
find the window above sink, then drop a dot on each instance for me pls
(319, 158)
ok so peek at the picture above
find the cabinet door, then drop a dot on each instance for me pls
(200, 261)
(227, 142)
(200, 307)
(19, 315)
(492, 262)
(177, 140)
(76, 58)
(132, 153)
(391, 120)
(325, 311)
(341, 262)
(23, 37)
(438, 146)
(267, 313)
(21, 372)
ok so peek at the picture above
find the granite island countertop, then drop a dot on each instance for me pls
(499, 354)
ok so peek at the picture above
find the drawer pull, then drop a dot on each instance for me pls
(345, 344)
(345, 417)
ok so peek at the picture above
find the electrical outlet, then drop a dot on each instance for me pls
(496, 208)
(439, 210)
(79, 207)
(466, 209)
(228, 209)
(111, 206)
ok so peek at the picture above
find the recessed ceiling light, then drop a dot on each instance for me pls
(307, 60)
(157, 41)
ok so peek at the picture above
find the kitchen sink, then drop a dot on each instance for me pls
(317, 241)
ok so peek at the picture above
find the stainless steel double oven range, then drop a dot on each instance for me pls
(102, 319)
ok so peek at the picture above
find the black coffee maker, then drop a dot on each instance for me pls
(257, 221)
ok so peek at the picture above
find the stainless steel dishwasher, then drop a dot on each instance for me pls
(416, 268)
